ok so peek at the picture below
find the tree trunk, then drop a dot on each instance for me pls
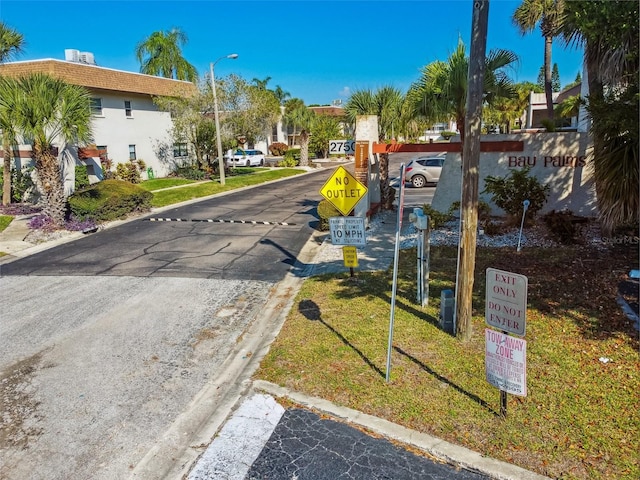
(304, 148)
(387, 194)
(470, 162)
(50, 178)
(548, 87)
(6, 175)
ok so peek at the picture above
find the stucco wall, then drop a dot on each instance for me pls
(147, 128)
(559, 160)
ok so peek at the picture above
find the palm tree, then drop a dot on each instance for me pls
(611, 45)
(298, 115)
(47, 111)
(281, 95)
(549, 15)
(387, 103)
(161, 54)
(441, 92)
(261, 84)
(11, 43)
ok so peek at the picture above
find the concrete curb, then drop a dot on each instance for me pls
(445, 451)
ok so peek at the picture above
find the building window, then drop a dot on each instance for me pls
(127, 108)
(96, 107)
(180, 150)
(274, 133)
(132, 152)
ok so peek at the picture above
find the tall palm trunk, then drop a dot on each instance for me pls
(387, 192)
(304, 148)
(52, 188)
(6, 174)
(548, 87)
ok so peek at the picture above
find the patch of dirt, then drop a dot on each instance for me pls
(18, 405)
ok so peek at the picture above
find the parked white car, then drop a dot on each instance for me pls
(423, 170)
(245, 158)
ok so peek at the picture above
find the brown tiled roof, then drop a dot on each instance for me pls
(329, 111)
(94, 77)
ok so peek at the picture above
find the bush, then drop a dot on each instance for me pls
(106, 164)
(293, 154)
(190, 173)
(436, 219)
(484, 210)
(326, 210)
(510, 192)
(288, 162)
(130, 171)
(20, 183)
(278, 149)
(82, 178)
(109, 200)
(564, 226)
(447, 135)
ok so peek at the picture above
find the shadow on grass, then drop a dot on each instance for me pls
(442, 379)
(311, 311)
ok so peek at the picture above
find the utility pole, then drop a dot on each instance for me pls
(470, 162)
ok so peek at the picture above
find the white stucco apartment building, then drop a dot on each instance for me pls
(126, 123)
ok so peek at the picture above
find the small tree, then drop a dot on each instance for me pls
(509, 193)
(323, 130)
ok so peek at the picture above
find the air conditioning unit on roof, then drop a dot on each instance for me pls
(87, 57)
(72, 55)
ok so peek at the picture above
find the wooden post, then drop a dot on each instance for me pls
(470, 161)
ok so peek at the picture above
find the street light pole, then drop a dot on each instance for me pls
(215, 114)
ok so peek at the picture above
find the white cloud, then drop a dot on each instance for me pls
(345, 92)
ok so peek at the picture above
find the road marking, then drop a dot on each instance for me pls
(219, 220)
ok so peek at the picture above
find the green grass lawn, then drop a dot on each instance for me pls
(159, 183)
(242, 178)
(581, 416)
(5, 220)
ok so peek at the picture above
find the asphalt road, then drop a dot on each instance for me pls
(285, 218)
(115, 346)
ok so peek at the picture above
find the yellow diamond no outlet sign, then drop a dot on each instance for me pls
(343, 190)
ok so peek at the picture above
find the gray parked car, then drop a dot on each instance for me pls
(423, 170)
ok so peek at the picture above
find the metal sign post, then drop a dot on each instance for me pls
(395, 271)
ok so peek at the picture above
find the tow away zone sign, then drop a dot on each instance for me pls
(506, 362)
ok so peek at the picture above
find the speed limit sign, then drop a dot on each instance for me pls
(342, 147)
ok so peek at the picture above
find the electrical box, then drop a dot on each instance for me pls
(447, 306)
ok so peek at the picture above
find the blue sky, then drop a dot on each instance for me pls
(316, 50)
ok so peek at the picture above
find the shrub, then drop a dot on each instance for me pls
(190, 172)
(326, 210)
(288, 162)
(510, 192)
(484, 210)
(447, 135)
(130, 171)
(294, 154)
(20, 183)
(436, 219)
(493, 228)
(278, 149)
(563, 226)
(106, 164)
(42, 222)
(82, 179)
(109, 200)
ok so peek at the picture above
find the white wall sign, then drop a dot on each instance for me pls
(506, 362)
(342, 147)
(506, 301)
(348, 231)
